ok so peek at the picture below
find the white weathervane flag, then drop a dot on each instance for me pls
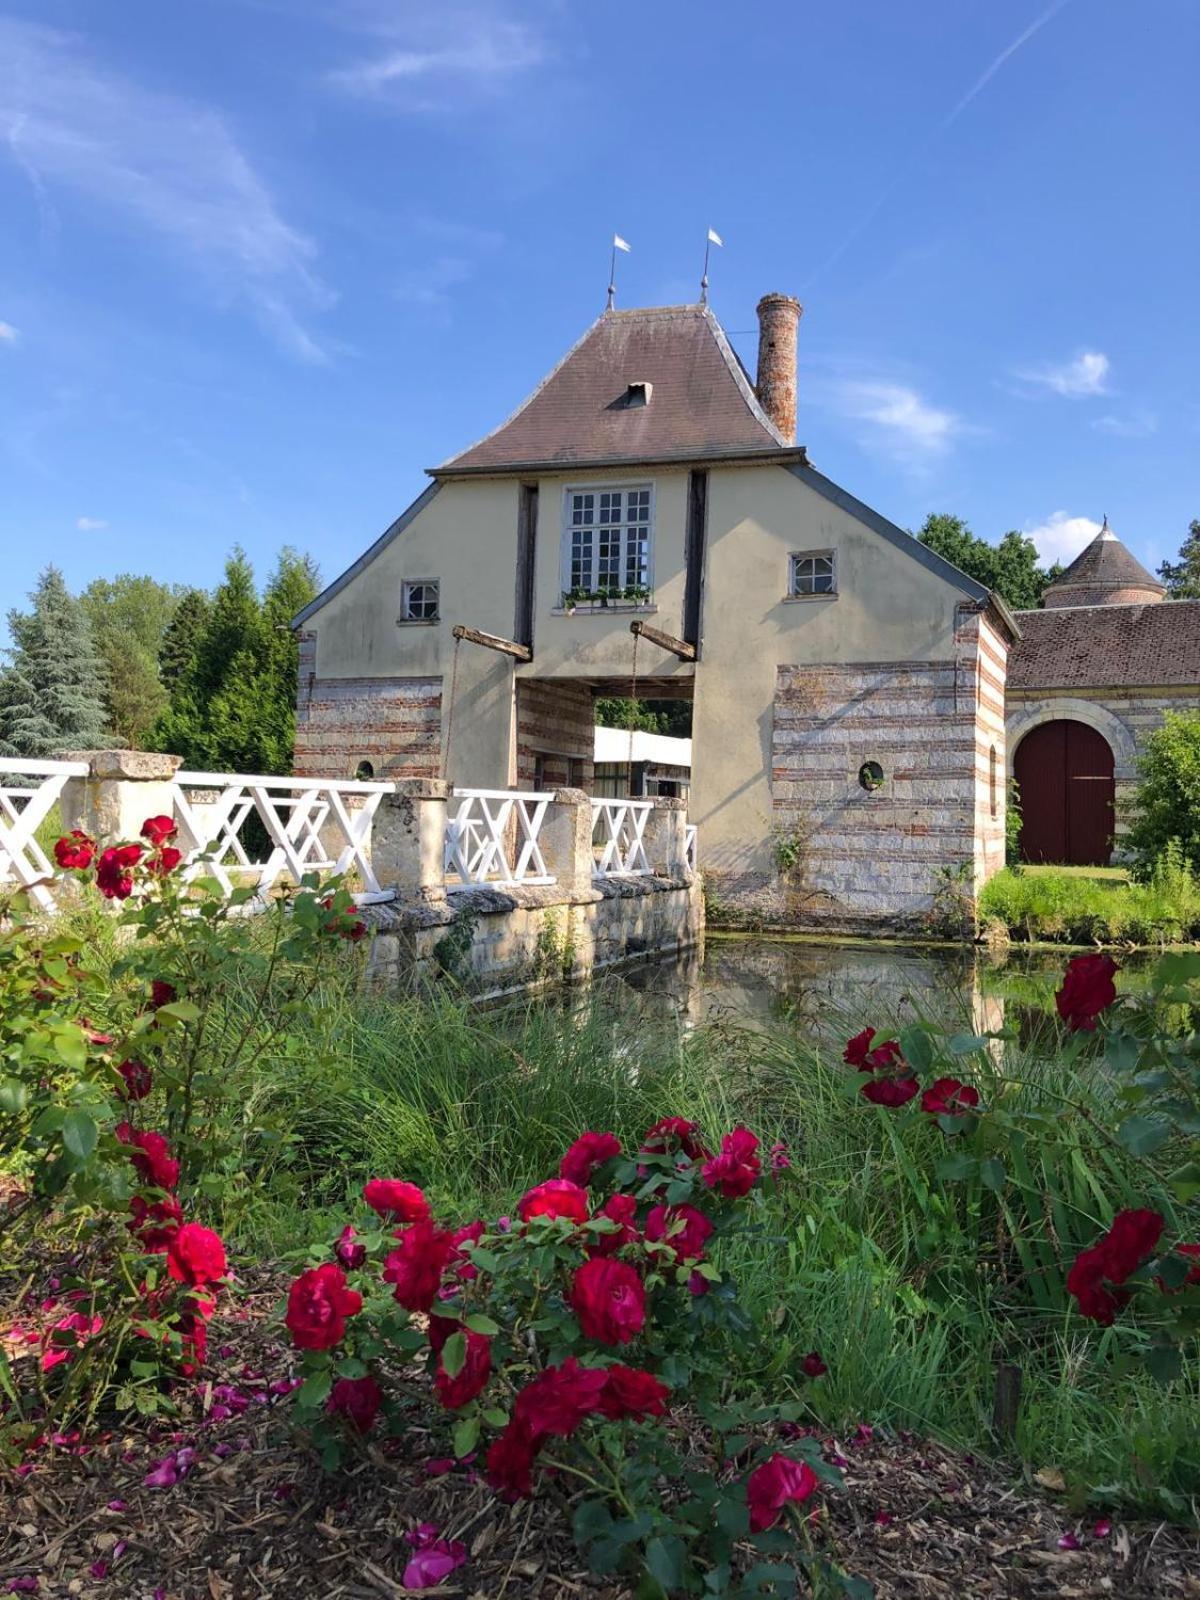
(714, 237)
(617, 244)
(621, 244)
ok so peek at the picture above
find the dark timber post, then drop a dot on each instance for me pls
(527, 511)
(697, 521)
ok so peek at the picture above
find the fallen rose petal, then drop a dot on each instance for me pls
(884, 1519)
(164, 1476)
(99, 1569)
(434, 1562)
(23, 1586)
(1102, 1529)
(119, 1549)
(439, 1466)
(1068, 1541)
(118, 1505)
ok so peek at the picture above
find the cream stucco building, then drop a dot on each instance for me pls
(847, 683)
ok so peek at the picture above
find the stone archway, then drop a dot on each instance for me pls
(1055, 708)
(1064, 770)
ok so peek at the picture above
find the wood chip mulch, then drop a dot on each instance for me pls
(254, 1516)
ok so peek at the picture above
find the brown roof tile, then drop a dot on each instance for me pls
(1100, 647)
(701, 405)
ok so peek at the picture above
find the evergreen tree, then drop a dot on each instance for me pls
(1010, 567)
(129, 617)
(52, 690)
(179, 642)
(1182, 577)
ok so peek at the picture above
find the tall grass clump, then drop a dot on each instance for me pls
(1063, 907)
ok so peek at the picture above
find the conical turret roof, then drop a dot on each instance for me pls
(1104, 574)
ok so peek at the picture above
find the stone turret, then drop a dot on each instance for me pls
(1105, 574)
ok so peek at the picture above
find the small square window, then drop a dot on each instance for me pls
(811, 572)
(419, 601)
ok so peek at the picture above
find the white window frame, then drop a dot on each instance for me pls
(407, 585)
(812, 594)
(565, 542)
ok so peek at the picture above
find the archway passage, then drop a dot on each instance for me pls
(1064, 773)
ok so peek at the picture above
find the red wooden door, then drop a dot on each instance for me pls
(1064, 773)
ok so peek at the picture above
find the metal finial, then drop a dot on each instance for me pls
(612, 295)
(704, 290)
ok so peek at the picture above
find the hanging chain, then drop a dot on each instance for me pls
(450, 710)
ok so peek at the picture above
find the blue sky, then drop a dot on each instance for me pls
(265, 260)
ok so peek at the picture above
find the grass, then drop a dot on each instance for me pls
(1090, 905)
(911, 1285)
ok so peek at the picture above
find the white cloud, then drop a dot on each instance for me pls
(172, 166)
(8, 334)
(443, 58)
(1061, 537)
(90, 524)
(1137, 424)
(899, 419)
(1086, 375)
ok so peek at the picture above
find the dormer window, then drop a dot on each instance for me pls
(606, 546)
(636, 394)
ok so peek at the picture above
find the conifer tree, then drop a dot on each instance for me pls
(52, 689)
(180, 640)
(1182, 577)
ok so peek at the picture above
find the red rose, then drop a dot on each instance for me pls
(396, 1201)
(75, 850)
(609, 1300)
(1097, 1274)
(417, 1264)
(356, 1399)
(193, 1332)
(151, 1156)
(510, 1461)
(348, 1253)
(559, 1399)
(1130, 1241)
(672, 1133)
(1086, 1281)
(812, 1366)
(154, 1223)
(137, 1078)
(621, 1209)
(858, 1052)
(318, 1305)
(464, 1269)
(629, 1392)
(196, 1256)
(737, 1169)
(590, 1150)
(1087, 989)
(947, 1097)
(557, 1197)
(162, 993)
(472, 1377)
(114, 872)
(771, 1486)
(684, 1228)
(158, 830)
(164, 861)
(890, 1091)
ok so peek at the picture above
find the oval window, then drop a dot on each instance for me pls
(364, 772)
(870, 775)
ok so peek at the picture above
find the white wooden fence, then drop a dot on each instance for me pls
(29, 792)
(492, 838)
(619, 838)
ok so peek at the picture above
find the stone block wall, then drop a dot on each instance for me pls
(555, 720)
(981, 644)
(394, 723)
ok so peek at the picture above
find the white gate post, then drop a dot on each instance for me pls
(122, 789)
(408, 839)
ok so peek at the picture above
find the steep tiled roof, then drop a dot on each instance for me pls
(1105, 565)
(1106, 646)
(698, 402)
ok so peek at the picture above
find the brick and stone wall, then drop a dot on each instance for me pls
(979, 641)
(394, 723)
(1124, 716)
(557, 722)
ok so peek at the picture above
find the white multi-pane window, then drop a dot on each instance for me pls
(812, 572)
(419, 601)
(607, 543)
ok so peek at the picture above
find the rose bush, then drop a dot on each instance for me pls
(568, 1346)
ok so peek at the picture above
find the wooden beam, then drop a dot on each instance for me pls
(665, 641)
(493, 641)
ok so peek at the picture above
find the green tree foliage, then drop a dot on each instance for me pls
(673, 717)
(233, 703)
(1010, 567)
(177, 650)
(52, 690)
(129, 616)
(1182, 577)
(1167, 801)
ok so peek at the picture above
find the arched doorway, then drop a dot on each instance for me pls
(1064, 773)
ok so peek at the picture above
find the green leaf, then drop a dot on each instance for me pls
(180, 1011)
(991, 1174)
(956, 1166)
(454, 1354)
(13, 1096)
(1142, 1136)
(478, 1323)
(314, 1391)
(1185, 1183)
(466, 1436)
(79, 1134)
(592, 1520)
(1163, 1362)
(917, 1048)
(495, 1417)
(71, 1048)
(664, 1561)
(965, 1044)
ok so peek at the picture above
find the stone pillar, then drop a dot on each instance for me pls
(566, 841)
(665, 837)
(408, 839)
(122, 789)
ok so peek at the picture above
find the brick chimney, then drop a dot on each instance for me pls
(778, 321)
